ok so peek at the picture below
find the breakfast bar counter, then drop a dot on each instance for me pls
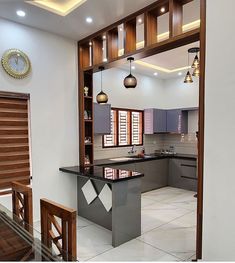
(111, 198)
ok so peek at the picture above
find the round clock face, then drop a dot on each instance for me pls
(16, 63)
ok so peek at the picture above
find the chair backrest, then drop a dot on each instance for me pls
(65, 238)
(22, 204)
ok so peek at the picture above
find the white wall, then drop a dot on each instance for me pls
(53, 89)
(219, 176)
(148, 92)
(177, 94)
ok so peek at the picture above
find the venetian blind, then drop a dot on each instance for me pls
(14, 141)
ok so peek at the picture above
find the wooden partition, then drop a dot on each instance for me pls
(91, 55)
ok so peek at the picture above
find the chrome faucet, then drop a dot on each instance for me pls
(132, 150)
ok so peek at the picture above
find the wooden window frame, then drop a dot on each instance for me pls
(117, 129)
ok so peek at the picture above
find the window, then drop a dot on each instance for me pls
(126, 128)
(14, 140)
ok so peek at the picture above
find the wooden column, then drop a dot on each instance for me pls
(112, 44)
(150, 28)
(175, 17)
(130, 36)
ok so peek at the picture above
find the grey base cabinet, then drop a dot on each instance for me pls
(183, 174)
(155, 173)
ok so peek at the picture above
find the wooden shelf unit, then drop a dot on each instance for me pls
(86, 125)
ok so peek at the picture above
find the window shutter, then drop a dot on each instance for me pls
(124, 127)
(137, 131)
(14, 142)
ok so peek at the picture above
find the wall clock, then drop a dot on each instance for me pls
(16, 63)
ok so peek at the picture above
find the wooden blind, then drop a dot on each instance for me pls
(14, 141)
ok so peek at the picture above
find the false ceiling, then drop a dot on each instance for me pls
(68, 17)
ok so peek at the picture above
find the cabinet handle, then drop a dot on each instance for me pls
(188, 177)
(188, 165)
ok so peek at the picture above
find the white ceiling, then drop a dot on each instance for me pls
(172, 60)
(74, 26)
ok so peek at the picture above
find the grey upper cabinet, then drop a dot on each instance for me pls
(102, 118)
(177, 121)
(165, 121)
(154, 121)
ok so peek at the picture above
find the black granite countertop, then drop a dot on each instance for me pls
(150, 157)
(106, 174)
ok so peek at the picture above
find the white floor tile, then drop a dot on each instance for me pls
(175, 238)
(157, 214)
(185, 200)
(83, 222)
(92, 241)
(145, 202)
(134, 250)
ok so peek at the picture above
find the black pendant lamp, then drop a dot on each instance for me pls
(188, 77)
(130, 81)
(101, 97)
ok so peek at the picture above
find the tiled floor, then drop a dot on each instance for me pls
(168, 231)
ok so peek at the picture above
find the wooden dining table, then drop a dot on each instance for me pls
(21, 242)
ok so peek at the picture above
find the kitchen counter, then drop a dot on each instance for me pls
(110, 197)
(150, 157)
(106, 174)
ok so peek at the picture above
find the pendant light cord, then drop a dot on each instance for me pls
(130, 66)
(101, 81)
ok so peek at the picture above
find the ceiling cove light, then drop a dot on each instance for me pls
(130, 81)
(101, 97)
(59, 7)
(20, 13)
(89, 20)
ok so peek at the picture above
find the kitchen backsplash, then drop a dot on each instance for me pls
(186, 144)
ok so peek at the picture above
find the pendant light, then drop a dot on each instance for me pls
(196, 72)
(130, 81)
(188, 77)
(196, 62)
(101, 97)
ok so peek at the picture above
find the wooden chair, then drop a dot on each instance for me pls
(66, 232)
(22, 204)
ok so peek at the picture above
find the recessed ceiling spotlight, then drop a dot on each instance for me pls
(155, 73)
(140, 20)
(89, 20)
(132, 67)
(163, 9)
(121, 29)
(104, 37)
(90, 43)
(180, 73)
(20, 13)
